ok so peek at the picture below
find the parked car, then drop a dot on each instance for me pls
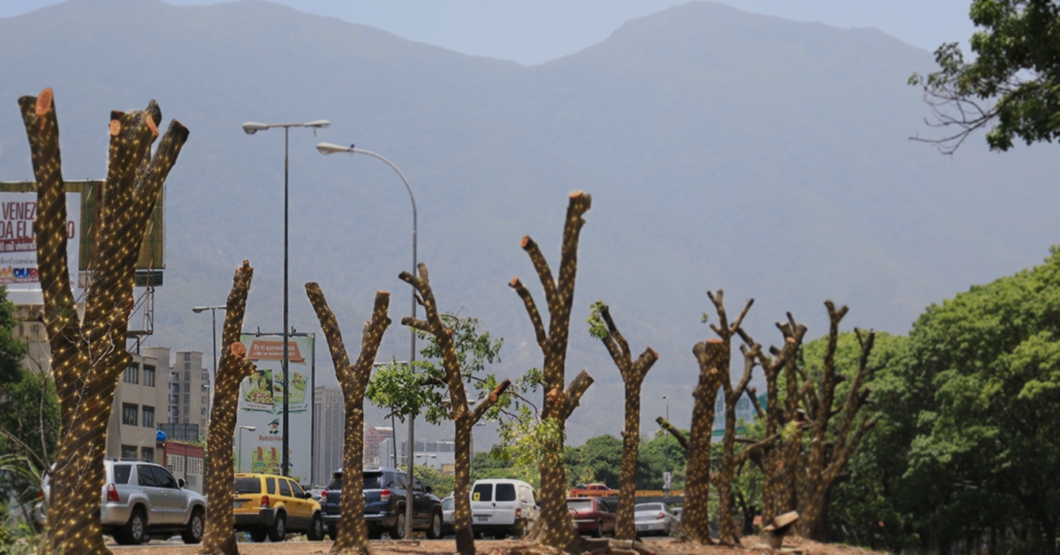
(593, 490)
(271, 506)
(591, 516)
(654, 518)
(503, 507)
(384, 504)
(448, 526)
(141, 499)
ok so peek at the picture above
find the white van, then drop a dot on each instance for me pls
(503, 507)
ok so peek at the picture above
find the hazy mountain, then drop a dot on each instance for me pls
(723, 150)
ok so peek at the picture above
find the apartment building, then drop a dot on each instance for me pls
(138, 408)
(329, 423)
(189, 391)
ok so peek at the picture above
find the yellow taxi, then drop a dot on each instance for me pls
(271, 506)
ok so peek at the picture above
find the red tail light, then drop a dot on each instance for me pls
(518, 513)
(264, 500)
(384, 495)
(661, 515)
(112, 493)
(324, 496)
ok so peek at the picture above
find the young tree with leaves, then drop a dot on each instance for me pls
(602, 327)
(463, 417)
(89, 355)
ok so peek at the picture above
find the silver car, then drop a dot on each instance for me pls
(447, 516)
(142, 499)
(654, 518)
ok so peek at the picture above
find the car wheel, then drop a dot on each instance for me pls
(279, 528)
(599, 530)
(258, 535)
(316, 529)
(135, 530)
(333, 532)
(398, 531)
(434, 531)
(193, 533)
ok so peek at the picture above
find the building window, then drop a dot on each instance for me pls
(187, 411)
(205, 400)
(149, 376)
(187, 376)
(148, 453)
(187, 387)
(132, 374)
(187, 356)
(128, 451)
(128, 416)
(203, 411)
(148, 417)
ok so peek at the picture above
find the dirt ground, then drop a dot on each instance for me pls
(663, 546)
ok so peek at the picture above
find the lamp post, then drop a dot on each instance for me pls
(249, 429)
(328, 148)
(213, 316)
(666, 450)
(251, 128)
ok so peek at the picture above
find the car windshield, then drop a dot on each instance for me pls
(579, 504)
(644, 507)
(248, 485)
(447, 504)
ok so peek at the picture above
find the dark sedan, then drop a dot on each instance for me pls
(592, 516)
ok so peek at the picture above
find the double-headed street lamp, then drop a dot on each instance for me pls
(328, 148)
(251, 128)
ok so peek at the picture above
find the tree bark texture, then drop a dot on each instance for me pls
(555, 528)
(713, 368)
(771, 460)
(633, 373)
(819, 469)
(352, 534)
(464, 418)
(219, 536)
(89, 356)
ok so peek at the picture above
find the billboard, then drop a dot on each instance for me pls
(18, 242)
(261, 407)
(87, 204)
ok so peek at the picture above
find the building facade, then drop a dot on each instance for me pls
(138, 407)
(189, 391)
(329, 422)
(374, 437)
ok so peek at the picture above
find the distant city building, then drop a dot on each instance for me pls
(438, 455)
(373, 438)
(329, 421)
(189, 391)
(185, 461)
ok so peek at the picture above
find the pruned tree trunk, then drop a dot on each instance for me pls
(352, 534)
(822, 465)
(713, 356)
(555, 528)
(633, 373)
(682, 440)
(771, 460)
(463, 417)
(219, 535)
(88, 356)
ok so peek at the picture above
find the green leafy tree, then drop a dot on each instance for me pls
(991, 437)
(1013, 83)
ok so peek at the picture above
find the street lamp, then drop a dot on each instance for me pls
(329, 148)
(213, 316)
(666, 449)
(252, 127)
(249, 429)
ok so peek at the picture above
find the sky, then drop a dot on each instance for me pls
(536, 32)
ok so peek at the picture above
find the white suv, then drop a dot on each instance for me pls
(142, 499)
(503, 507)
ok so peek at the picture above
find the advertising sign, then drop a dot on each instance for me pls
(261, 407)
(18, 242)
